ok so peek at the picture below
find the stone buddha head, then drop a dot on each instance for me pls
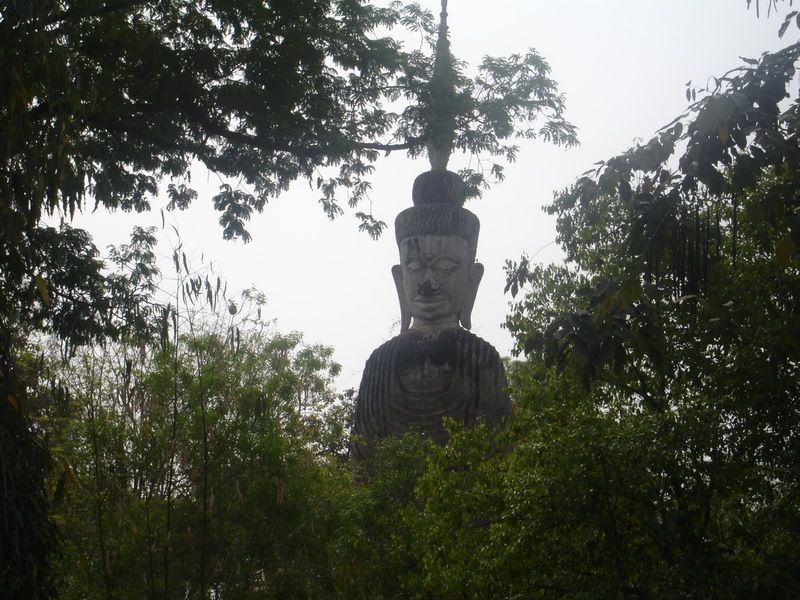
(437, 278)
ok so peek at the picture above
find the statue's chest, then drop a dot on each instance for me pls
(429, 382)
(426, 365)
(425, 377)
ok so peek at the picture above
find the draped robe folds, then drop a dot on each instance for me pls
(413, 381)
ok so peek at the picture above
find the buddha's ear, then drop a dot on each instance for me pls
(405, 313)
(473, 281)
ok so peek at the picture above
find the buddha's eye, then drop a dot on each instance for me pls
(446, 265)
(414, 266)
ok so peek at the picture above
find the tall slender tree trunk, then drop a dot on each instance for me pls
(98, 488)
(172, 445)
(151, 575)
(204, 528)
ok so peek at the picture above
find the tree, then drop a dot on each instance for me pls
(28, 536)
(93, 305)
(668, 459)
(262, 92)
(654, 449)
(186, 464)
(104, 103)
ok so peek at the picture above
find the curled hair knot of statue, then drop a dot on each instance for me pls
(438, 210)
(439, 187)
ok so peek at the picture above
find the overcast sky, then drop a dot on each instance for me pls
(623, 66)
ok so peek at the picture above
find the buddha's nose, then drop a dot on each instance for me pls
(427, 288)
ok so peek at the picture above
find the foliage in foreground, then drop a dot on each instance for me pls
(105, 104)
(207, 464)
(198, 457)
(654, 451)
(678, 313)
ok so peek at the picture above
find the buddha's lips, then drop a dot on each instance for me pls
(429, 299)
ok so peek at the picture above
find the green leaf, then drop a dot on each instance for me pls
(784, 252)
(41, 288)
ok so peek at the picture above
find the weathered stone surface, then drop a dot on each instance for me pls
(435, 368)
(412, 381)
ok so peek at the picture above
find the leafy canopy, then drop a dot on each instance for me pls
(670, 451)
(105, 101)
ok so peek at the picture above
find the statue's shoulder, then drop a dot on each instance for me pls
(468, 335)
(479, 346)
(468, 341)
(383, 351)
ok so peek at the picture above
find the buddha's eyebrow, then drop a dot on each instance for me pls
(431, 259)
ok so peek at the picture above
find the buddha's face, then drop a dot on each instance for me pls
(437, 280)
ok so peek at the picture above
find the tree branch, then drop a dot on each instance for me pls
(109, 7)
(269, 145)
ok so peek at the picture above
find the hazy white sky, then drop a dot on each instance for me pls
(622, 64)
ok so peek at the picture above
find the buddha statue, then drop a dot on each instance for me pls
(435, 368)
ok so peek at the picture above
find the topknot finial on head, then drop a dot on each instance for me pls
(439, 187)
(438, 199)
